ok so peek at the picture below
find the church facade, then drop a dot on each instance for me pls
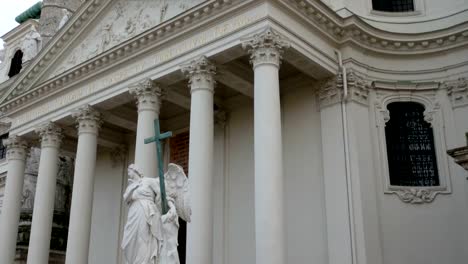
(310, 131)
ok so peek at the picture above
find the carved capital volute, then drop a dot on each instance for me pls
(332, 90)
(457, 90)
(266, 48)
(51, 135)
(148, 95)
(200, 73)
(17, 148)
(88, 120)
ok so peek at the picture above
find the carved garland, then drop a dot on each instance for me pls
(432, 115)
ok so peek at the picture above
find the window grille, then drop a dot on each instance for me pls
(410, 146)
(393, 5)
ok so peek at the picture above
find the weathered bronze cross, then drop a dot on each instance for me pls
(158, 137)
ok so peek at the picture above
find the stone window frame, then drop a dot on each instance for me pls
(419, 8)
(433, 115)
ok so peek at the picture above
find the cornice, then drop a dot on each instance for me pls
(21, 92)
(355, 30)
(341, 30)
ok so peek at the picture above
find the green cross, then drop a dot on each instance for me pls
(158, 137)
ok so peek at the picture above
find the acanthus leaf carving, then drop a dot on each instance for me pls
(416, 195)
(457, 91)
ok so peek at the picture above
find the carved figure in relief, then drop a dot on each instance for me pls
(65, 17)
(31, 45)
(150, 237)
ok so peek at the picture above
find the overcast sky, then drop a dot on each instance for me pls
(8, 11)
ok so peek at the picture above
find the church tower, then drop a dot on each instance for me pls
(53, 12)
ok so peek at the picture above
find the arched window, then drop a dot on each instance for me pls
(410, 146)
(393, 5)
(16, 64)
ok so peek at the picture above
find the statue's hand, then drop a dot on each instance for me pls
(169, 217)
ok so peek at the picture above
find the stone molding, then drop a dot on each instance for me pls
(332, 89)
(340, 30)
(457, 91)
(148, 95)
(357, 31)
(266, 48)
(51, 135)
(434, 116)
(200, 73)
(17, 148)
(88, 120)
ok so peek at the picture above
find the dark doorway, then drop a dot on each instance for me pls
(179, 145)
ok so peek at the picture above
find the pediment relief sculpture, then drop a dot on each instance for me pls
(124, 20)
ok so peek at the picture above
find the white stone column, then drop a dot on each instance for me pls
(17, 150)
(41, 227)
(148, 96)
(265, 53)
(200, 229)
(89, 122)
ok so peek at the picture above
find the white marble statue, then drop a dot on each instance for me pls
(150, 237)
(31, 45)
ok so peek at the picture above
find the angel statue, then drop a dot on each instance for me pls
(149, 236)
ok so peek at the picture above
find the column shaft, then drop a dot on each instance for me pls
(148, 101)
(269, 209)
(83, 186)
(16, 155)
(200, 229)
(266, 49)
(41, 228)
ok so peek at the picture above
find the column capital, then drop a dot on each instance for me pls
(88, 120)
(51, 135)
(331, 90)
(266, 47)
(200, 73)
(17, 148)
(148, 95)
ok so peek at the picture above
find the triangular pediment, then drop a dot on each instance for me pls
(98, 26)
(120, 21)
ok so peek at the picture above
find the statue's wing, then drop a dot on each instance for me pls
(177, 188)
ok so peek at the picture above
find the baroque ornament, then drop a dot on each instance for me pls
(200, 73)
(88, 120)
(457, 91)
(148, 95)
(51, 135)
(332, 89)
(17, 148)
(416, 196)
(266, 47)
